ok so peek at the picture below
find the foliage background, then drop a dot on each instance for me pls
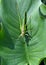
(13, 47)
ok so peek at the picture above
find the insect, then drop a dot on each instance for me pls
(24, 30)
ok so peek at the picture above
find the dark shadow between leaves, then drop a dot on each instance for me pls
(42, 62)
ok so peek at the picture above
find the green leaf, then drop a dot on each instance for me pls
(12, 15)
(23, 6)
(2, 62)
(10, 23)
(11, 18)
